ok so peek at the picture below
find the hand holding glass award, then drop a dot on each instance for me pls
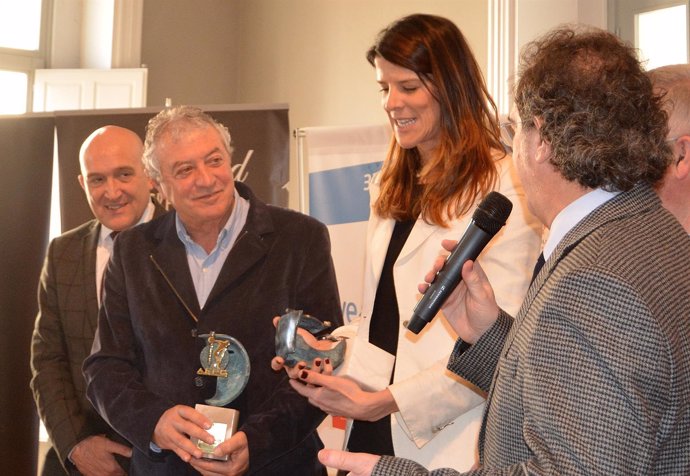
(225, 358)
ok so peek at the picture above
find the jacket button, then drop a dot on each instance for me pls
(198, 381)
(438, 428)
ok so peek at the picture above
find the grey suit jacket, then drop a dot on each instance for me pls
(593, 375)
(62, 338)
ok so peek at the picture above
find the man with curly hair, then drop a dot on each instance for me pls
(592, 376)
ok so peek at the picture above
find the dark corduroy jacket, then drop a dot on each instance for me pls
(145, 356)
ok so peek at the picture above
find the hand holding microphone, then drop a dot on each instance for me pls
(487, 220)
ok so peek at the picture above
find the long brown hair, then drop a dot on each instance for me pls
(462, 167)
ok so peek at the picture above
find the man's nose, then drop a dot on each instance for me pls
(112, 188)
(204, 176)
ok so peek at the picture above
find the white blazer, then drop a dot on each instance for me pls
(440, 416)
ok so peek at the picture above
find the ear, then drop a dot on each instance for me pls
(543, 147)
(159, 188)
(81, 182)
(681, 167)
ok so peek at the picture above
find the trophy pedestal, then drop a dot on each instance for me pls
(224, 426)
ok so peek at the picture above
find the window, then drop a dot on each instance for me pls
(20, 24)
(21, 51)
(661, 36)
(13, 92)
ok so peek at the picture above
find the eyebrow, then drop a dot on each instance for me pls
(215, 150)
(125, 168)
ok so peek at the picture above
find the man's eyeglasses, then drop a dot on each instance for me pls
(507, 134)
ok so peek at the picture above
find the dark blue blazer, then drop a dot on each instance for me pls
(146, 357)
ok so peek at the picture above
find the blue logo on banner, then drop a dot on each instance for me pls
(341, 195)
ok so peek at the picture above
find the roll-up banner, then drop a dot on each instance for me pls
(340, 163)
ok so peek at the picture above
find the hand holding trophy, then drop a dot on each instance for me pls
(297, 341)
(225, 358)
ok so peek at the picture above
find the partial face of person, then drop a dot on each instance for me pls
(525, 142)
(113, 178)
(414, 113)
(196, 177)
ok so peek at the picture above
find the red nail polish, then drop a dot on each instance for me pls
(327, 361)
(303, 375)
(317, 363)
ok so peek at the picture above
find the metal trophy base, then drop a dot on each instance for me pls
(224, 426)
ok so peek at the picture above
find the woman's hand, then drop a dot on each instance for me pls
(342, 396)
(278, 363)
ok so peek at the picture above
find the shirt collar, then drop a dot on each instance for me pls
(225, 233)
(573, 214)
(145, 217)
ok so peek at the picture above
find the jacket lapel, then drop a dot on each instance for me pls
(619, 207)
(247, 251)
(171, 259)
(420, 233)
(88, 270)
(381, 232)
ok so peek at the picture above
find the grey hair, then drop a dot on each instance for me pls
(673, 82)
(175, 121)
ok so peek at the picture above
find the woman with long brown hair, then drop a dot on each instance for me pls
(445, 157)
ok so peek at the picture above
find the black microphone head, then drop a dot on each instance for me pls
(492, 212)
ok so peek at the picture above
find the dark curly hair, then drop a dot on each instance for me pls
(606, 127)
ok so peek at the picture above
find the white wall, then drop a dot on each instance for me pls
(536, 17)
(306, 53)
(310, 53)
(190, 49)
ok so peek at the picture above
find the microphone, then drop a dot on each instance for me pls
(491, 214)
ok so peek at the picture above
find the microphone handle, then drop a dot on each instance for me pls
(448, 277)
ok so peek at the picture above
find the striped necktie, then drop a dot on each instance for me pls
(112, 235)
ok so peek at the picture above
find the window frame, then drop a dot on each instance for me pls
(27, 61)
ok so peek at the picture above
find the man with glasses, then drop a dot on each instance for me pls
(592, 376)
(673, 82)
